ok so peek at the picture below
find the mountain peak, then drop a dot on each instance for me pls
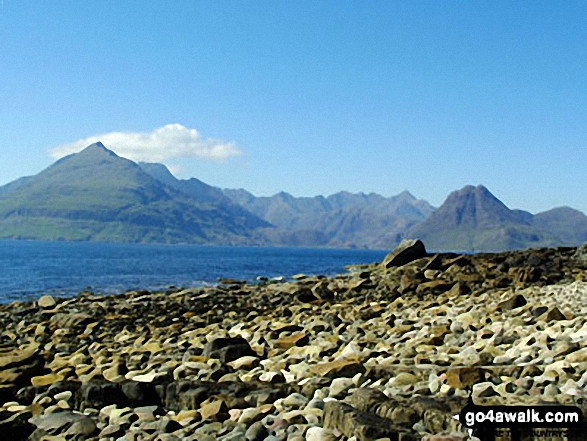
(406, 195)
(98, 148)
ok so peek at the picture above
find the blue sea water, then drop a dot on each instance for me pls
(29, 269)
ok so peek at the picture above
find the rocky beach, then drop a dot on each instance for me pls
(384, 351)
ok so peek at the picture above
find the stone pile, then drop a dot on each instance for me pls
(384, 351)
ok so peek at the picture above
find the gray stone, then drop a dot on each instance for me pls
(256, 432)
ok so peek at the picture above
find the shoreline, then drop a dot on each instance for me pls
(63, 270)
(382, 351)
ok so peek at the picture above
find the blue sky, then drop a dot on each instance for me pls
(307, 97)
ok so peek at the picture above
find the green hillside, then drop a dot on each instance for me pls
(96, 195)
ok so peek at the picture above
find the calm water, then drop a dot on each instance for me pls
(31, 269)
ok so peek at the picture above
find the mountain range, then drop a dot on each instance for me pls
(95, 195)
(473, 219)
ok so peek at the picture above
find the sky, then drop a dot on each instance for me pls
(307, 97)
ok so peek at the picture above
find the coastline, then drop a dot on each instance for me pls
(385, 350)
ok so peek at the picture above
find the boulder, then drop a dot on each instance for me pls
(406, 252)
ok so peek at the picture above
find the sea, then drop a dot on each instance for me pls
(30, 269)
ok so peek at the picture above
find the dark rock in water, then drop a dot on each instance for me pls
(406, 252)
(228, 349)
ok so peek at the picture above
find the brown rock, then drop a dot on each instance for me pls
(213, 409)
(345, 367)
(514, 302)
(297, 339)
(46, 302)
(461, 378)
(435, 286)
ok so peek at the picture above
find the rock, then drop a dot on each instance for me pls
(59, 422)
(295, 401)
(46, 380)
(256, 432)
(483, 390)
(214, 409)
(404, 379)
(73, 320)
(579, 356)
(214, 361)
(552, 313)
(46, 302)
(228, 349)
(320, 434)
(433, 287)
(514, 302)
(17, 427)
(581, 253)
(82, 429)
(407, 251)
(246, 362)
(339, 387)
(353, 422)
(250, 415)
(297, 339)
(344, 367)
(461, 378)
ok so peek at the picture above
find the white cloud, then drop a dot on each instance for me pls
(169, 141)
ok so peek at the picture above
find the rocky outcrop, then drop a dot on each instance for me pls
(378, 352)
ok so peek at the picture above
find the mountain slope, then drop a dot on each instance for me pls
(340, 220)
(97, 195)
(567, 224)
(203, 193)
(473, 219)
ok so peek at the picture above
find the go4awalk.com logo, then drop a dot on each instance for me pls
(481, 418)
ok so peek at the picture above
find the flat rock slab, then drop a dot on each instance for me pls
(362, 425)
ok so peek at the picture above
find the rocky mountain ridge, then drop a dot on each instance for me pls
(98, 196)
(473, 219)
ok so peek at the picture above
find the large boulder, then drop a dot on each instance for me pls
(406, 252)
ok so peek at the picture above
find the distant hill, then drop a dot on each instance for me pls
(341, 220)
(204, 194)
(473, 219)
(97, 195)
